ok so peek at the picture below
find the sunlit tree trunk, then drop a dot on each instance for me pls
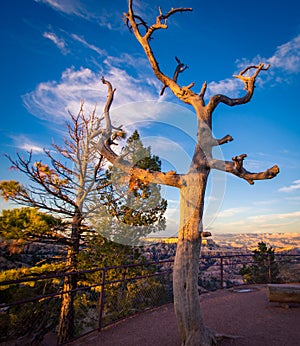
(192, 184)
(186, 267)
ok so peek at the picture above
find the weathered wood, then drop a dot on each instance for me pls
(192, 184)
(284, 293)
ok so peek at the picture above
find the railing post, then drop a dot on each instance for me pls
(101, 299)
(221, 269)
(123, 286)
(269, 269)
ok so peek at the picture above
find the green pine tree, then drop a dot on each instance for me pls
(264, 269)
(132, 209)
(28, 224)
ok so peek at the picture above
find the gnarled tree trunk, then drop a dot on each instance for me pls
(192, 184)
(186, 267)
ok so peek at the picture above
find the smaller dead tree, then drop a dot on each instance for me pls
(63, 187)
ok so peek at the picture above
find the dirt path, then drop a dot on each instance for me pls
(246, 315)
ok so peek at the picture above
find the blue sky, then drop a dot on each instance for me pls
(54, 53)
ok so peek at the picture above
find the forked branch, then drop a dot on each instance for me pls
(179, 69)
(249, 83)
(134, 23)
(104, 146)
(236, 167)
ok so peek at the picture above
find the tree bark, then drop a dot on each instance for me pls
(192, 185)
(67, 313)
(190, 324)
(66, 328)
(186, 267)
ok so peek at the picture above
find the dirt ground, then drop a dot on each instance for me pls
(245, 315)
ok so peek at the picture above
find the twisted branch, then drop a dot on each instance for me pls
(179, 69)
(236, 167)
(224, 140)
(133, 22)
(249, 83)
(104, 146)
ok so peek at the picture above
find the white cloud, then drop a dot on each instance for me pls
(109, 19)
(51, 100)
(70, 7)
(275, 217)
(293, 199)
(294, 186)
(287, 56)
(233, 211)
(280, 222)
(100, 51)
(227, 86)
(285, 61)
(31, 147)
(273, 222)
(267, 202)
(24, 143)
(60, 43)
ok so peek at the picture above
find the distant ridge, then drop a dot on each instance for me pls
(279, 241)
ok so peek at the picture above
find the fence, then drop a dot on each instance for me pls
(32, 306)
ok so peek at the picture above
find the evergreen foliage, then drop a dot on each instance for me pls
(264, 269)
(133, 209)
(28, 224)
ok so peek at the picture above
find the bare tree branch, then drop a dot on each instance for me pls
(104, 146)
(224, 140)
(249, 83)
(43, 195)
(202, 92)
(236, 167)
(179, 69)
(133, 21)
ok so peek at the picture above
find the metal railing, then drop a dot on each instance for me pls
(227, 273)
(31, 307)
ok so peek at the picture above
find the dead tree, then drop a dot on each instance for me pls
(64, 188)
(193, 183)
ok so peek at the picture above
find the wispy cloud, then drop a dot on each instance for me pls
(287, 56)
(293, 187)
(80, 39)
(70, 7)
(294, 198)
(276, 217)
(109, 19)
(284, 62)
(227, 86)
(233, 212)
(53, 99)
(280, 222)
(59, 42)
(265, 203)
(24, 143)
